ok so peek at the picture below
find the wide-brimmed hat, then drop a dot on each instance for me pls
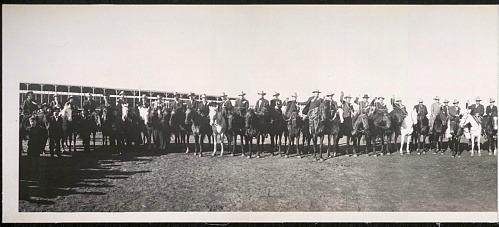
(420, 100)
(446, 101)
(242, 93)
(365, 96)
(348, 96)
(191, 94)
(262, 93)
(398, 99)
(276, 94)
(203, 96)
(29, 92)
(316, 91)
(455, 101)
(330, 95)
(381, 97)
(436, 98)
(478, 99)
(223, 94)
(492, 100)
(294, 95)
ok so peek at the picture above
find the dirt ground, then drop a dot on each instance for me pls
(175, 181)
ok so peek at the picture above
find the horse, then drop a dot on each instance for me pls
(361, 129)
(318, 126)
(178, 127)
(145, 125)
(293, 132)
(382, 130)
(235, 127)
(254, 125)
(105, 114)
(456, 132)
(405, 130)
(346, 128)
(199, 127)
(490, 131)
(276, 129)
(219, 127)
(420, 132)
(472, 131)
(132, 128)
(68, 128)
(163, 128)
(306, 136)
(439, 128)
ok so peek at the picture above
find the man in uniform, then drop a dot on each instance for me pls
(276, 103)
(454, 111)
(365, 109)
(421, 109)
(158, 103)
(242, 105)
(434, 110)
(491, 111)
(291, 106)
(55, 102)
(262, 104)
(226, 105)
(445, 108)
(89, 104)
(29, 105)
(380, 106)
(55, 132)
(177, 104)
(477, 109)
(191, 103)
(203, 106)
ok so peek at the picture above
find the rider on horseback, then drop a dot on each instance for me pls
(365, 109)
(477, 110)
(276, 103)
(242, 105)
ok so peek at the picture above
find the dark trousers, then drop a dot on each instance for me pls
(55, 144)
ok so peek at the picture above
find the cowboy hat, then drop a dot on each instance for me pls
(224, 95)
(276, 94)
(262, 93)
(348, 96)
(294, 95)
(242, 93)
(203, 96)
(316, 91)
(420, 101)
(455, 101)
(478, 99)
(365, 96)
(381, 97)
(446, 101)
(29, 92)
(398, 99)
(492, 100)
(329, 95)
(436, 98)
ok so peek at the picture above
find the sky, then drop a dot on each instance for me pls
(408, 51)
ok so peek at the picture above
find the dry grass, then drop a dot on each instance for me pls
(148, 181)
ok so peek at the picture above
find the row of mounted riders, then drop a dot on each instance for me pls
(124, 126)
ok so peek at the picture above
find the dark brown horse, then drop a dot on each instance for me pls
(420, 133)
(254, 128)
(456, 133)
(294, 125)
(489, 127)
(439, 127)
(276, 129)
(200, 128)
(318, 125)
(363, 129)
(235, 127)
(381, 130)
(179, 128)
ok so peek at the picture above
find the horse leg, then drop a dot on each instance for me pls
(222, 144)
(320, 147)
(314, 144)
(280, 141)
(472, 145)
(249, 141)
(186, 142)
(214, 145)
(328, 145)
(478, 144)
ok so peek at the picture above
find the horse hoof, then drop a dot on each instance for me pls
(287, 156)
(249, 157)
(232, 155)
(321, 159)
(258, 156)
(355, 155)
(388, 154)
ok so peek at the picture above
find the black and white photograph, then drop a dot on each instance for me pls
(249, 113)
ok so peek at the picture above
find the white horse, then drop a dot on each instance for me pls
(219, 126)
(474, 132)
(124, 111)
(406, 130)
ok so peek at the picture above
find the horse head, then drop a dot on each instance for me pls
(188, 115)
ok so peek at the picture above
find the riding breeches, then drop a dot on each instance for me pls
(361, 119)
(431, 121)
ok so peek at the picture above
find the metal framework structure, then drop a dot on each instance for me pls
(43, 93)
